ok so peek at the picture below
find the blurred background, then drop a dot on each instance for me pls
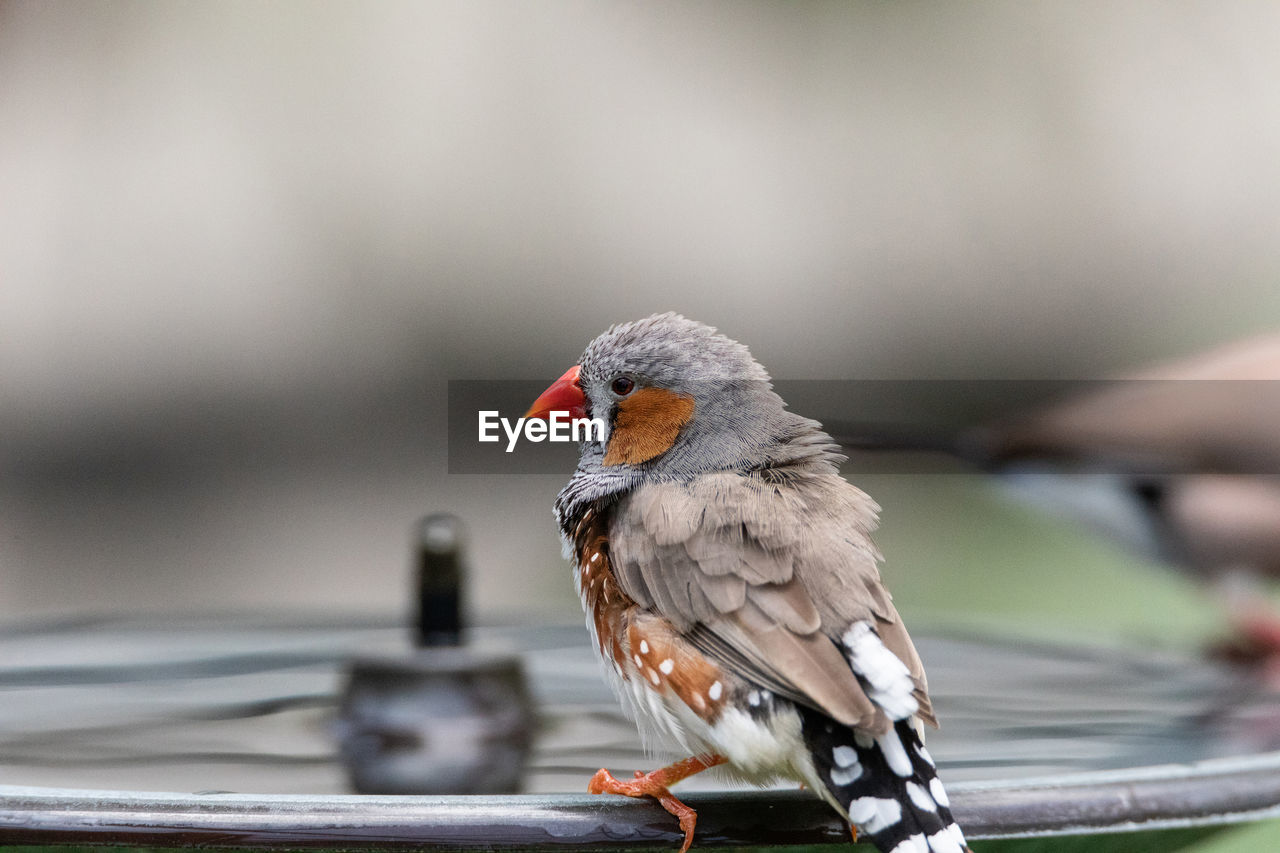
(244, 247)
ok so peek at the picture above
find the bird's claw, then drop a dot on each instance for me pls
(646, 785)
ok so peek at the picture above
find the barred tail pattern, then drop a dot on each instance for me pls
(886, 783)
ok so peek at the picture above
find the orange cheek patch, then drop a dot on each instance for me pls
(646, 425)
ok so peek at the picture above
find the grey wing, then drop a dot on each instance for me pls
(840, 566)
(843, 576)
(730, 561)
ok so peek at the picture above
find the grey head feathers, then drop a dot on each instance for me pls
(670, 350)
(738, 424)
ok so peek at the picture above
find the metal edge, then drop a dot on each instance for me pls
(1220, 791)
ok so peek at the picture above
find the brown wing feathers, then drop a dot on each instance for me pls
(724, 560)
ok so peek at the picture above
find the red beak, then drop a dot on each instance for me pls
(564, 395)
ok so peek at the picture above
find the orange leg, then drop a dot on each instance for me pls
(655, 784)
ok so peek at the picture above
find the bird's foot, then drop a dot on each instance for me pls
(654, 784)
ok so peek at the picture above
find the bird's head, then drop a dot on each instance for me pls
(677, 399)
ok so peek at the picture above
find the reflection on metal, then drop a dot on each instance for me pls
(1038, 738)
(1149, 800)
(446, 718)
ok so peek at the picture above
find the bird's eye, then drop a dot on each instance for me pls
(622, 386)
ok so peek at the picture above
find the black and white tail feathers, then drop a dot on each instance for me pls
(887, 784)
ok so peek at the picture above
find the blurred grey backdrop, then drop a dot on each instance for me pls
(243, 246)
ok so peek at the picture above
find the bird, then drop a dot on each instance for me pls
(732, 588)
